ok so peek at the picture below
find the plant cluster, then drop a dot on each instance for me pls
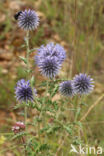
(51, 118)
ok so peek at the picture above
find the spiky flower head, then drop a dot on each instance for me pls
(49, 67)
(24, 91)
(49, 59)
(83, 84)
(51, 50)
(66, 88)
(28, 20)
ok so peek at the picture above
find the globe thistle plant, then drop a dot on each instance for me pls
(48, 108)
(28, 20)
(66, 88)
(83, 84)
(24, 91)
(49, 59)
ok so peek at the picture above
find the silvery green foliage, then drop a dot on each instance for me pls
(49, 59)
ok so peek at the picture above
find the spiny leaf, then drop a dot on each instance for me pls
(55, 90)
(20, 134)
(23, 59)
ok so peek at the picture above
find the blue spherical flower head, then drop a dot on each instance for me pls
(66, 88)
(83, 84)
(49, 59)
(49, 67)
(28, 20)
(24, 91)
(51, 50)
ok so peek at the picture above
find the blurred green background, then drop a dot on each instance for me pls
(78, 25)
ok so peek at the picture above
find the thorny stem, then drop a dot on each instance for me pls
(45, 100)
(78, 113)
(27, 76)
(78, 109)
(27, 53)
(39, 131)
(25, 117)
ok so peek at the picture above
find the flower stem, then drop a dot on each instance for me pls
(25, 116)
(27, 77)
(78, 109)
(27, 53)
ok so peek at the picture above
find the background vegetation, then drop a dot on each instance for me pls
(78, 25)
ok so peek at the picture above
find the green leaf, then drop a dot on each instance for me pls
(55, 105)
(32, 81)
(45, 129)
(32, 50)
(55, 90)
(28, 71)
(21, 105)
(18, 135)
(83, 103)
(68, 129)
(53, 129)
(44, 147)
(79, 124)
(23, 59)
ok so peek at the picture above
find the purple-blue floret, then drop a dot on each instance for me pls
(66, 88)
(49, 59)
(24, 91)
(49, 67)
(83, 84)
(28, 20)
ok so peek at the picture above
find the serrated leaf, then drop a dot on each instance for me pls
(21, 105)
(23, 59)
(55, 90)
(44, 129)
(20, 134)
(79, 123)
(32, 50)
(53, 129)
(68, 129)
